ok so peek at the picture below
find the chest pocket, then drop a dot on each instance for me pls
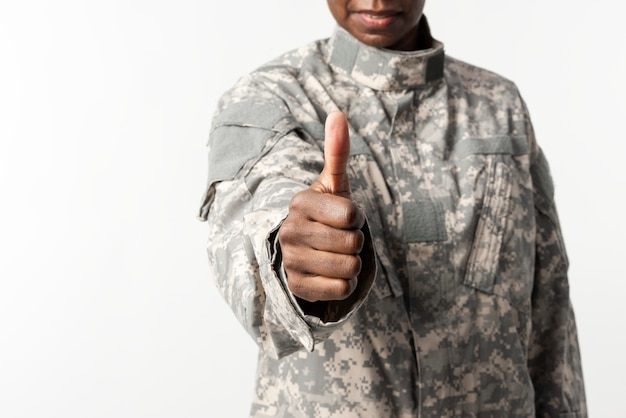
(500, 258)
(482, 265)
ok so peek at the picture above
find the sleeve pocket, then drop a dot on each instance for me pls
(230, 147)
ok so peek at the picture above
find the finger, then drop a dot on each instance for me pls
(327, 209)
(321, 237)
(322, 263)
(334, 176)
(318, 288)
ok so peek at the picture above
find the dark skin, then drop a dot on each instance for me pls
(390, 24)
(321, 237)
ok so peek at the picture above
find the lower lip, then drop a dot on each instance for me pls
(377, 22)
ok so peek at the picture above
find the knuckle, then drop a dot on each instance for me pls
(293, 232)
(352, 215)
(353, 266)
(354, 241)
(292, 259)
(300, 204)
(289, 261)
(296, 202)
(296, 286)
(344, 288)
(286, 232)
(360, 241)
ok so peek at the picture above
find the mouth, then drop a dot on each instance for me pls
(378, 20)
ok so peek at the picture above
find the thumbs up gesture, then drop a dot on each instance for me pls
(321, 237)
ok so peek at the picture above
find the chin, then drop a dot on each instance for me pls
(377, 41)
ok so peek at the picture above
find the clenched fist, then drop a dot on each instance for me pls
(321, 238)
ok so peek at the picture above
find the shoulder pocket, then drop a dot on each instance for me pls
(239, 134)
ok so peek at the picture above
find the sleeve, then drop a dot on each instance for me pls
(258, 159)
(554, 360)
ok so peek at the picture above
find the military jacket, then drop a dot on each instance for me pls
(462, 308)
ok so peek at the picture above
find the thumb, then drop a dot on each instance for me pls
(334, 177)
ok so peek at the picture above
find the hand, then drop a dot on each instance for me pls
(321, 237)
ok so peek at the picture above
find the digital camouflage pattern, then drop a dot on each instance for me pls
(462, 308)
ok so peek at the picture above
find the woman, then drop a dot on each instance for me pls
(382, 223)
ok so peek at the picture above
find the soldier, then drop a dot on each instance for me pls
(382, 223)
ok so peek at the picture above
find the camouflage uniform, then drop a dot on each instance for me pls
(462, 308)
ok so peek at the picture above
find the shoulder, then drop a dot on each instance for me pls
(279, 80)
(468, 79)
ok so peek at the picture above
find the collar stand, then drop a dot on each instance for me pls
(385, 69)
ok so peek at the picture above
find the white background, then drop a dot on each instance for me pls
(106, 308)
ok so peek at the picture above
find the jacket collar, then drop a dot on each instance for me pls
(384, 69)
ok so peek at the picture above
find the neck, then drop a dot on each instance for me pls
(424, 40)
